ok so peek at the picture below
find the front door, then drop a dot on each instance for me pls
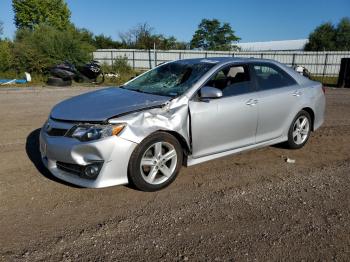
(225, 123)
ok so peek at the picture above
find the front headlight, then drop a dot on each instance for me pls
(86, 132)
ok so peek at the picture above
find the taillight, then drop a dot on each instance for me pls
(323, 89)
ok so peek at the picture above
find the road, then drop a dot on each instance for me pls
(250, 206)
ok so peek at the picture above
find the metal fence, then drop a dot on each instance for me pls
(318, 63)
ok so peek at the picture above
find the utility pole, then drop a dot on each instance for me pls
(154, 54)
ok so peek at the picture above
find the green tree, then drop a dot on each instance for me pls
(46, 46)
(85, 35)
(166, 43)
(322, 38)
(30, 13)
(6, 56)
(212, 35)
(342, 39)
(142, 36)
(328, 37)
(105, 42)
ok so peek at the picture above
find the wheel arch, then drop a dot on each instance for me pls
(312, 115)
(179, 137)
(185, 147)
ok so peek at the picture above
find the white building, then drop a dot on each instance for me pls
(285, 45)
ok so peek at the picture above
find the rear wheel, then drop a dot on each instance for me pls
(299, 131)
(155, 162)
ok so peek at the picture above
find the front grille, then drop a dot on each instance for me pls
(70, 168)
(57, 132)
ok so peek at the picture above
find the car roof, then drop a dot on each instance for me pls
(223, 60)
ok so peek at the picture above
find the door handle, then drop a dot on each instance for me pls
(297, 93)
(252, 102)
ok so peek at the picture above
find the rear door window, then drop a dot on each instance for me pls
(271, 77)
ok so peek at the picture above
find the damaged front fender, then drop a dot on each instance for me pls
(173, 116)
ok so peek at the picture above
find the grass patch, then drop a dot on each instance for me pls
(121, 78)
(37, 79)
(40, 80)
(120, 72)
(326, 80)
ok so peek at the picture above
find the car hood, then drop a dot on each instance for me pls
(103, 104)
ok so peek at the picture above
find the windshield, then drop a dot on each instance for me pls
(171, 79)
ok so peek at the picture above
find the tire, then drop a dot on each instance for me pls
(100, 79)
(299, 131)
(148, 170)
(83, 79)
(56, 81)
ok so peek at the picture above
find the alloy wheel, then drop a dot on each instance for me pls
(301, 130)
(158, 163)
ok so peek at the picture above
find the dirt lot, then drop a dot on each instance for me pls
(251, 206)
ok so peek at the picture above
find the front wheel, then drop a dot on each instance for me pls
(299, 131)
(155, 162)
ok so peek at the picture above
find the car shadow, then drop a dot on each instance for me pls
(33, 153)
(283, 145)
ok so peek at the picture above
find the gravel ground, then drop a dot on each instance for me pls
(250, 206)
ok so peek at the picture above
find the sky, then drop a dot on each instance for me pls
(252, 20)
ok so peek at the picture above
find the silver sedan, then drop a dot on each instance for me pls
(180, 113)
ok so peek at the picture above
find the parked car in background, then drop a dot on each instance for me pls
(180, 113)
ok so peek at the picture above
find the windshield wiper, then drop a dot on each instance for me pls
(139, 90)
(133, 89)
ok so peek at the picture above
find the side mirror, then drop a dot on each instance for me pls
(210, 92)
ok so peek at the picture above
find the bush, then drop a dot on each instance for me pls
(6, 56)
(36, 51)
(121, 68)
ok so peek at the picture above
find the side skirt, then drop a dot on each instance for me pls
(193, 161)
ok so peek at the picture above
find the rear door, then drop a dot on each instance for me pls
(278, 95)
(229, 122)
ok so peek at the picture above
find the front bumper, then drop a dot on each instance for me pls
(113, 151)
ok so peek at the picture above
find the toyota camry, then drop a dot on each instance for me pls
(180, 113)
